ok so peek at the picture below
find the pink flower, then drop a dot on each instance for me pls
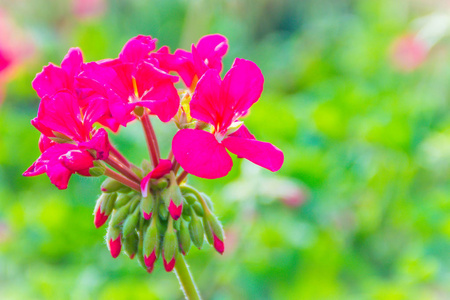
(59, 162)
(54, 79)
(207, 54)
(221, 104)
(62, 114)
(134, 79)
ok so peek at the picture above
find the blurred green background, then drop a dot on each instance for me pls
(356, 95)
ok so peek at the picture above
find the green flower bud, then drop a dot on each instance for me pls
(190, 198)
(119, 215)
(131, 222)
(184, 238)
(131, 244)
(216, 231)
(147, 206)
(198, 209)
(108, 203)
(163, 212)
(121, 200)
(208, 232)
(170, 249)
(151, 239)
(196, 231)
(135, 202)
(161, 184)
(110, 185)
(97, 171)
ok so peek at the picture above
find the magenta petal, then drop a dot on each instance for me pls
(175, 211)
(77, 160)
(241, 88)
(72, 62)
(137, 49)
(45, 143)
(199, 153)
(218, 244)
(204, 103)
(213, 47)
(263, 154)
(115, 246)
(100, 143)
(51, 80)
(169, 265)
(164, 167)
(59, 175)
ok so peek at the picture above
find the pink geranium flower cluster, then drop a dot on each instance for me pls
(83, 102)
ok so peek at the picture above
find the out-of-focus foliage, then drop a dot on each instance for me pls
(360, 210)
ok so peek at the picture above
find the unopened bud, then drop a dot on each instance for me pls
(147, 206)
(99, 218)
(130, 244)
(119, 215)
(170, 249)
(175, 211)
(97, 171)
(173, 198)
(107, 205)
(196, 231)
(151, 245)
(131, 222)
(190, 198)
(134, 202)
(110, 185)
(161, 184)
(216, 231)
(184, 238)
(114, 240)
(198, 209)
(163, 212)
(121, 200)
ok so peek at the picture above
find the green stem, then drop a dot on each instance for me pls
(126, 181)
(186, 280)
(199, 197)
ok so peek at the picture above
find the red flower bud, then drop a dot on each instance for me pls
(169, 265)
(218, 245)
(175, 211)
(150, 261)
(115, 246)
(146, 215)
(100, 218)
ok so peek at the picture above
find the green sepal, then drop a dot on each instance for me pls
(170, 246)
(184, 237)
(198, 209)
(121, 200)
(131, 222)
(147, 203)
(108, 204)
(196, 231)
(151, 239)
(131, 244)
(119, 215)
(111, 185)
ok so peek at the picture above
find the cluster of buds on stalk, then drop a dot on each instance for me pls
(152, 211)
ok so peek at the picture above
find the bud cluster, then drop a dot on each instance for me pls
(163, 223)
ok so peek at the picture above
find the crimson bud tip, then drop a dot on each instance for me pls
(115, 246)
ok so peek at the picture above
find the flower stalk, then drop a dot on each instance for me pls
(186, 280)
(126, 181)
(150, 137)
